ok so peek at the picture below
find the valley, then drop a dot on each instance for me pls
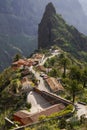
(19, 21)
(44, 86)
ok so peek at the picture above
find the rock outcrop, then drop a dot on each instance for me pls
(54, 30)
(45, 36)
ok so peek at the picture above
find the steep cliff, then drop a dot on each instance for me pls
(54, 30)
(19, 24)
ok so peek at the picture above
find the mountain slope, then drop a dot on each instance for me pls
(54, 30)
(11, 45)
(19, 24)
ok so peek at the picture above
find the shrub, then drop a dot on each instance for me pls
(44, 127)
(62, 123)
(28, 105)
(42, 117)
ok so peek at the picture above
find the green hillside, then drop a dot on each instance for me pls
(21, 17)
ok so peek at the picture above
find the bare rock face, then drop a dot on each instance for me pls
(45, 36)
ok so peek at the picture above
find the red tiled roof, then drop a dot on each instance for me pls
(22, 114)
(23, 62)
(28, 119)
(54, 85)
(20, 61)
(37, 56)
(42, 68)
(48, 111)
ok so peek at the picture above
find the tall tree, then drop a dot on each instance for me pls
(64, 62)
(75, 73)
(84, 77)
(74, 88)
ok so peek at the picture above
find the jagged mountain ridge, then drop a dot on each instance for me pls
(19, 24)
(28, 13)
(54, 30)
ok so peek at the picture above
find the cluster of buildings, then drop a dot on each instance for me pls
(56, 103)
(34, 60)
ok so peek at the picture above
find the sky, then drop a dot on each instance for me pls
(84, 5)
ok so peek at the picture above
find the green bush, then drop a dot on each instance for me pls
(28, 105)
(62, 123)
(44, 127)
(64, 112)
(42, 117)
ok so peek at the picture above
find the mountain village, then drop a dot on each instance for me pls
(44, 86)
(44, 95)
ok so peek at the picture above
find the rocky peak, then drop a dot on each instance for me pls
(45, 26)
(50, 10)
(54, 30)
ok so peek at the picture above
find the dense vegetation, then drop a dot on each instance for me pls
(19, 23)
(73, 75)
(11, 95)
(72, 72)
(74, 82)
(73, 124)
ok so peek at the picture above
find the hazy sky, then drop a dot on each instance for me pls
(84, 5)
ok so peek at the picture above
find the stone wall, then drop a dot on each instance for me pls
(52, 98)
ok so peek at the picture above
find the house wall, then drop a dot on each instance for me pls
(16, 118)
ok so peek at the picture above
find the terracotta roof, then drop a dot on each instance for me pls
(37, 56)
(23, 62)
(48, 111)
(28, 119)
(22, 114)
(54, 85)
(42, 68)
(20, 61)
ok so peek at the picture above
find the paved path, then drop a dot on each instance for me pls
(41, 84)
(37, 101)
(81, 109)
